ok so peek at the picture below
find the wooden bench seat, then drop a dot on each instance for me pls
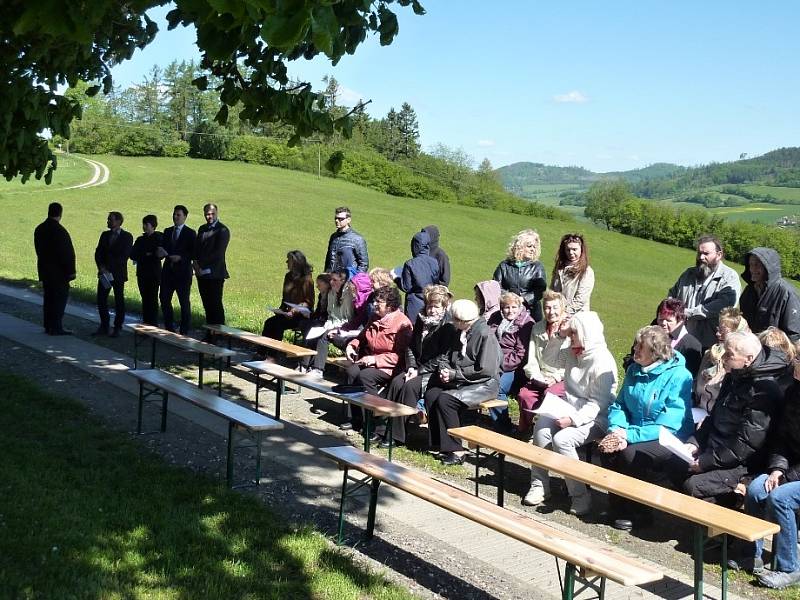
(285, 348)
(182, 342)
(710, 519)
(154, 381)
(592, 559)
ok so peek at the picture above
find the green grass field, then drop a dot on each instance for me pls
(271, 211)
(782, 193)
(71, 171)
(761, 212)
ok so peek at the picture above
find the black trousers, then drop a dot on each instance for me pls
(170, 286)
(715, 486)
(54, 303)
(118, 287)
(444, 412)
(372, 379)
(148, 289)
(403, 392)
(648, 461)
(211, 295)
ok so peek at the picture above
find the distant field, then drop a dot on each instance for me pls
(549, 188)
(271, 211)
(71, 171)
(782, 193)
(761, 212)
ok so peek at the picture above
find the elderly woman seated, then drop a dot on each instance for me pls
(590, 382)
(656, 393)
(712, 370)
(468, 375)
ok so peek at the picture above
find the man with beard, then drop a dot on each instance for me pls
(705, 290)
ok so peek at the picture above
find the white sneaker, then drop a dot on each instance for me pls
(535, 496)
(581, 505)
(314, 373)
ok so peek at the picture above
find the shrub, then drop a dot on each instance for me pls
(140, 140)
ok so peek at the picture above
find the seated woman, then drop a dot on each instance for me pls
(512, 327)
(522, 273)
(711, 370)
(339, 302)
(377, 354)
(432, 337)
(468, 375)
(547, 359)
(487, 297)
(656, 393)
(572, 275)
(298, 289)
(590, 383)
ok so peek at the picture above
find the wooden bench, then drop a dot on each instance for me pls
(153, 381)
(183, 342)
(373, 406)
(285, 348)
(710, 520)
(591, 559)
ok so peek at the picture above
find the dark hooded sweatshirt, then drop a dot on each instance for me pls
(778, 304)
(440, 255)
(420, 271)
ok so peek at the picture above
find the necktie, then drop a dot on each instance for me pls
(175, 234)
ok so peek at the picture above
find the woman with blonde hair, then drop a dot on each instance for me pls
(522, 272)
(572, 275)
(712, 371)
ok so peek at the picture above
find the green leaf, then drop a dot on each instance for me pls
(417, 8)
(388, 27)
(92, 91)
(324, 27)
(285, 31)
(201, 83)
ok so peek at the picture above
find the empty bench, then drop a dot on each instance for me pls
(710, 520)
(183, 342)
(588, 559)
(240, 335)
(153, 381)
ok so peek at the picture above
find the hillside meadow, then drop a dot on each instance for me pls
(271, 211)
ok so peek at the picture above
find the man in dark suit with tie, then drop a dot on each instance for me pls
(177, 249)
(209, 264)
(55, 263)
(111, 258)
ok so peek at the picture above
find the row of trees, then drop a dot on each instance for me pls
(612, 204)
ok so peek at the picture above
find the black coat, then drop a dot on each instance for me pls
(351, 239)
(180, 271)
(145, 254)
(527, 280)
(55, 255)
(425, 354)
(438, 254)
(692, 351)
(418, 272)
(778, 304)
(113, 257)
(784, 446)
(209, 250)
(735, 433)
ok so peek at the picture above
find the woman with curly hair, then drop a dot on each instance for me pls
(522, 272)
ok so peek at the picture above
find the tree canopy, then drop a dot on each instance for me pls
(245, 46)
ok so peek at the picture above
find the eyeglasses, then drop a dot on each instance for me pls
(337, 219)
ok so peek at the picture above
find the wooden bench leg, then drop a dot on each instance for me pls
(367, 427)
(229, 470)
(699, 543)
(164, 399)
(501, 478)
(219, 381)
(340, 537)
(373, 504)
(278, 393)
(389, 435)
(259, 447)
(153, 354)
(258, 386)
(200, 367)
(135, 350)
(141, 407)
(724, 567)
(568, 589)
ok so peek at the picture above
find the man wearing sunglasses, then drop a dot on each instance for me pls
(345, 237)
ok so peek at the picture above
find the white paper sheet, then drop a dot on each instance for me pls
(698, 414)
(667, 439)
(315, 332)
(554, 407)
(304, 310)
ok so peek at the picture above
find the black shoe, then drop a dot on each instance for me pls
(451, 458)
(749, 564)
(114, 333)
(100, 331)
(62, 332)
(346, 426)
(623, 524)
(376, 437)
(395, 444)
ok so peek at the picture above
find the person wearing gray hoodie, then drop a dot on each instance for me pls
(768, 298)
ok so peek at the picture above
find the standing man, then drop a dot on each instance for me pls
(145, 256)
(55, 263)
(345, 237)
(177, 250)
(768, 298)
(705, 290)
(111, 258)
(209, 264)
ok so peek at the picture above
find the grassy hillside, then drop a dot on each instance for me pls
(271, 211)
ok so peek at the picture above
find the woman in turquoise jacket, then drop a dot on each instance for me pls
(656, 393)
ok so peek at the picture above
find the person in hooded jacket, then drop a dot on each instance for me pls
(418, 272)
(522, 273)
(732, 440)
(590, 382)
(466, 376)
(656, 393)
(768, 298)
(487, 297)
(439, 254)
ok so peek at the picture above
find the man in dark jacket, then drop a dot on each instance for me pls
(177, 249)
(768, 298)
(209, 264)
(55, 263)
(148, 267)
(440, 255)
(732, 439)
(345, 236)
(418, 272)
(111, 258)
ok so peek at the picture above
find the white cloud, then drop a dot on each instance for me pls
(574, 97)
(486, 143)
(348, 97)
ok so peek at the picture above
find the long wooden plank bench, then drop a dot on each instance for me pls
(153, 381)
(285, 348)
(182, 342)
(588, 558)
(710, 520)
(373, 406)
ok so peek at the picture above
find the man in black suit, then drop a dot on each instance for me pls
(177, 250)
(55, 262)
(148, 267)
(111, 258)
(209, 264)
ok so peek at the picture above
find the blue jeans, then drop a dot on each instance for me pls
(777, 506)
(500, 415)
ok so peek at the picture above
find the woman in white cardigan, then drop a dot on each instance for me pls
(590, 383)
(572, 275)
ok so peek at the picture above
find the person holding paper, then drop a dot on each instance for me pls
(340, 310)
(298, 291)
(111, 257)
(590, 383)
(656, 393)
(148, 267)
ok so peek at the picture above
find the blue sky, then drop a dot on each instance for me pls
(604, 85)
